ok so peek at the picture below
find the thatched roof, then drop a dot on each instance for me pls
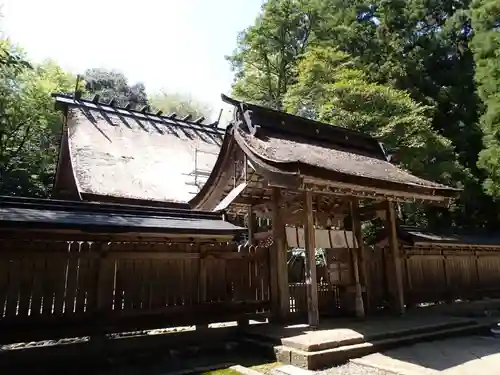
(294, 152)
(118, 152)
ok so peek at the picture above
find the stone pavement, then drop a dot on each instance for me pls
(333, 333)
(472, 355)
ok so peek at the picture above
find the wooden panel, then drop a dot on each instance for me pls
(72, 280)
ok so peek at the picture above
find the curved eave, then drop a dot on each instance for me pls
(294, 174)
(299, 176)
(207, 197)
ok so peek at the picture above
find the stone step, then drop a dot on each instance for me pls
(291, 370)
(244, 370)
(336, 356)
(338, 337)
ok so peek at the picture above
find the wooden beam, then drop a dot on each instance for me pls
(250, 201)
(337, 188)
(310, 262)
(399, 303)
(359, 260)
(280, 267)
(373, 207)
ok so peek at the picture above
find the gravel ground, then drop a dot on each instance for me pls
(353, 369)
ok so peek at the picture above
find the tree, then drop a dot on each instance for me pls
(331, 88)
(268, 51)
(180, 104)
(486, 47)
(29, 124)
(419, 46)
(111, 84)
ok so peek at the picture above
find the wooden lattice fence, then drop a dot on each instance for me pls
(436, 274)
(430, 275)
(91, 286)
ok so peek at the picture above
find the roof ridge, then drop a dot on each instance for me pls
(172, 120)
(284, 122)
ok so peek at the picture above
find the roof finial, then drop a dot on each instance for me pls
(199, 120)
(112, 102)
(96, 98)
(216, 123)
(128, 106)
(172, 115)
(145, 109)
(159, 113)
(78, 91)
(186, 118)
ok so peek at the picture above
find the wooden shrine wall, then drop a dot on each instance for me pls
(432, 274)
(65, 287)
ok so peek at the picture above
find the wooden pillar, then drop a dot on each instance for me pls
(251, 226)
(279, 266)
(244, 322)
(398, 299)
(310, 262)
(357, 259)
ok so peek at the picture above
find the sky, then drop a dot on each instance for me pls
(171, 45)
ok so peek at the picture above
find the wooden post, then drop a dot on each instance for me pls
(103, 290)
(202, 284)
(448, 294)
(104, 279)
(244, 322)
(251, 225)
(356, 251)
(399, 302)
(477, 291)
(310, 262)
(282, 296)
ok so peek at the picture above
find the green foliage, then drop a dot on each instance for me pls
(267, 52)
(29, 125)
(330, 88)
(486, 47)
(412, 55)
(335, 91)
(180, 104)
(111, 84)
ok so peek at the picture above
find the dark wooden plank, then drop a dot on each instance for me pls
(280, 267)
(128, 268)
(62, 269)
(119, 286)
(71, 280)
(27, 266)
(83, 282)
(355, 256)
(48, 287)
(158, 290)
(395, 256)
(13, 288)
(310, 262)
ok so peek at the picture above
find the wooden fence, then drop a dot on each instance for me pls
(435, 274)
(430, 275)
(94, 286)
